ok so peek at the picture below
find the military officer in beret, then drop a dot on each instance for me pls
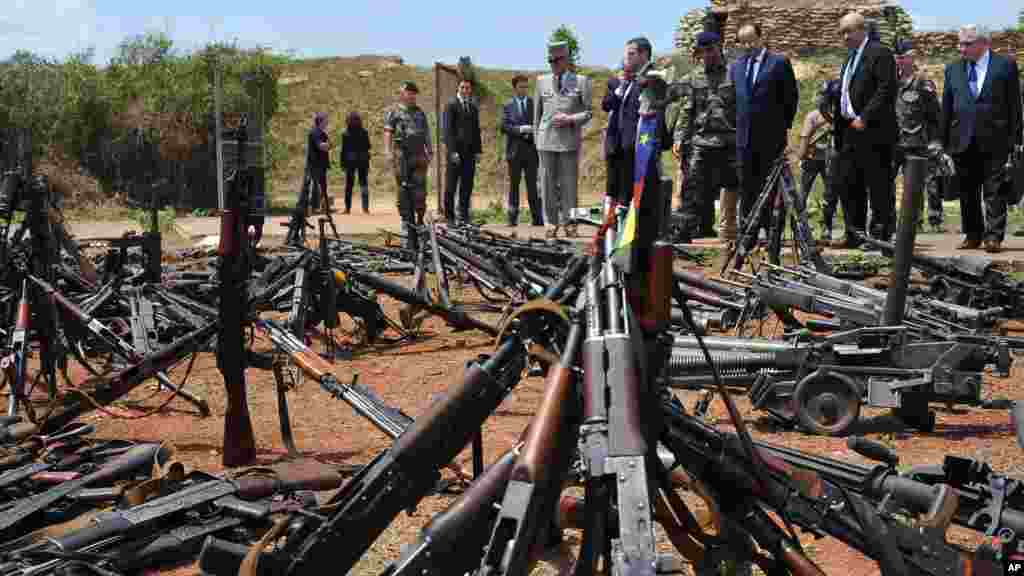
(918, 112)
(407, 146)
(704, 141)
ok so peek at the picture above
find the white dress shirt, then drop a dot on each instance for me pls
(757, 65)
(981, 70)
(846, 105)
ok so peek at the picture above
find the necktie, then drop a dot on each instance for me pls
(847, 75)
(522, 108)
(558, 83)
(972, 80)
(750, 75)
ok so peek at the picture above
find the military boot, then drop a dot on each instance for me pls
(727, 216)
(366, 199)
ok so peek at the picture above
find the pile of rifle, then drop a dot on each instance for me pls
(154, 513)
(607, 421)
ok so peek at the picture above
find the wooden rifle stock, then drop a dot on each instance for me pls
(532, 493)
(239, 446)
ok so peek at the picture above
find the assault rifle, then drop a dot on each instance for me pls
(17, 364)
(400, 477)
(136, 459)
(238, 495)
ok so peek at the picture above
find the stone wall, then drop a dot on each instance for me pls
(792, 29)
(935, 43)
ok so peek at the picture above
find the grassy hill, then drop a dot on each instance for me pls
(369, 85)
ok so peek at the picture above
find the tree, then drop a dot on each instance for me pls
(565, 34)
(1020, 20)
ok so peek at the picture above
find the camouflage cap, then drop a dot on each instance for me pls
(410, 86)
(904, 47)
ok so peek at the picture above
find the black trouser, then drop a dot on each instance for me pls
(982, 207)
(754, 167)
(524, 164)
(351, 172)
(621, 168)
(459, 177)
(863, 172)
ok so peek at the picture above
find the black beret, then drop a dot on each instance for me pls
(903, 47)
(707, 39)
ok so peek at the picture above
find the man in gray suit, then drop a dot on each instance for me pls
(562, 107)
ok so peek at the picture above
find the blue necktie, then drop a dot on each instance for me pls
(972, 80)
(750, 76)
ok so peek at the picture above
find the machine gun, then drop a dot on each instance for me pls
(988, 503)
(816, 505)
(966, 280)
(822, 385)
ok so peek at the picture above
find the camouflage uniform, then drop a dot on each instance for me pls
(410, 138)
(706, 133)
(817, 163)
(918, 111)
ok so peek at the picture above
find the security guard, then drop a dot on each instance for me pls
(817, 150)
(917, 112)
(705, 140)
(407, 145)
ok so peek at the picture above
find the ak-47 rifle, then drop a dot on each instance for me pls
(136, 459)
(238, 495)
(18, 362)
(451, 543)
(400, 477)
(29, 444)
(125, 380)
(239, 446)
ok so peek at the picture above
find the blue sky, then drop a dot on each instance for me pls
(505, 34)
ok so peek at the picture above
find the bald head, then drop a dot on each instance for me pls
(853, 28)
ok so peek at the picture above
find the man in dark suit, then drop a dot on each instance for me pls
(981, 124)
(521, 153)
(865, 131)
(462, 136)
(623, 105)
(766, 103)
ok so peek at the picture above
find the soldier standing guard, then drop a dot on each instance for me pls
(817, 150)
(562, 107)
(705, 141)
(917, 112)
(407, 145)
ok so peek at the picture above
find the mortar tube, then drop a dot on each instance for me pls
(914, 171)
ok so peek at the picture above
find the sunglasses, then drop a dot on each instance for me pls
(554, 59)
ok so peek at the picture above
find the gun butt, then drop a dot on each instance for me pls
(290, 477)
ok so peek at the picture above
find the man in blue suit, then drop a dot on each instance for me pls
(766, 101)
(980, 125)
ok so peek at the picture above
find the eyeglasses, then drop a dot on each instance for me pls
(554, 59)
(967, 44)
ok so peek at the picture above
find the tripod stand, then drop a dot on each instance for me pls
(298, 225)
(780, 193)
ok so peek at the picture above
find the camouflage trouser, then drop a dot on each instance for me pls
(708, 171)
(933, 193)
(412, 198)
(809, 171)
